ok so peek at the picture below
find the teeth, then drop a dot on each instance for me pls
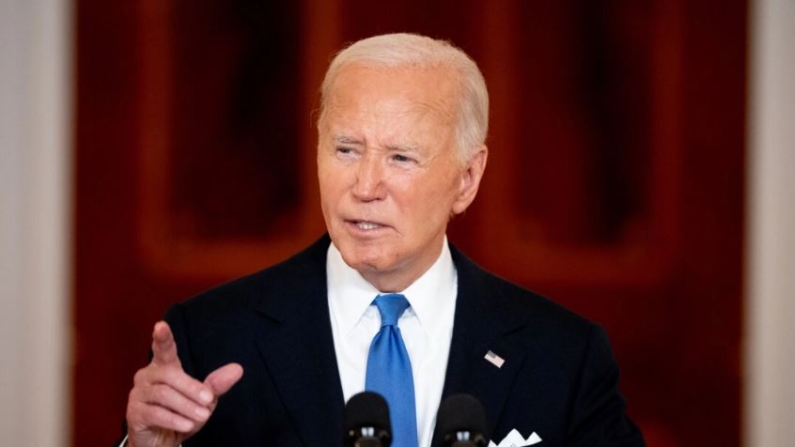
(367, 225)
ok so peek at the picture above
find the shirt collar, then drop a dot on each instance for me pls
(350, 294)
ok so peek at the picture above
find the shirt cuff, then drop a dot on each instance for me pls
(124, 442)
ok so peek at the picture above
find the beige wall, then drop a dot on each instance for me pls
(770, 316)
(34, 224)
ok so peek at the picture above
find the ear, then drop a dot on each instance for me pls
(470, 179)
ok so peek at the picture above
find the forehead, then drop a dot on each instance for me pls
(378, 91)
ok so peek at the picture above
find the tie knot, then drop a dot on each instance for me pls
(391, 306)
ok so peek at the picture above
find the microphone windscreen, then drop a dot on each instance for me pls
(461, 412)
(367, 409)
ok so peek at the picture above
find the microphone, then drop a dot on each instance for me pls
(461, 422)
(366, 421)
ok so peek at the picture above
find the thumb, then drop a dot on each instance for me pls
(223, 378)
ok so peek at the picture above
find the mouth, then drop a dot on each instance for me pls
(365, 225)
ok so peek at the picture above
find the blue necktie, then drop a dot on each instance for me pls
(389, 370)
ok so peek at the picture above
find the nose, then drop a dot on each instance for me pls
(369, 183)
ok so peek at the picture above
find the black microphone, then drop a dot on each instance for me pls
(366, 421)
(461, 422)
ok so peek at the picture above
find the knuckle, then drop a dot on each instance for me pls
(178, 423)
(135, 415)
(169, 375)
(133, 396)
(196, 388)
(139, 376)
(131, 413)
(159, 394)
(143, 375)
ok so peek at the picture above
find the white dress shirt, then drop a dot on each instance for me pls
(426, 327)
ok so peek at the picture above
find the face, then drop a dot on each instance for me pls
(390, 177)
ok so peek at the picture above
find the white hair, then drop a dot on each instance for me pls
(402, 49)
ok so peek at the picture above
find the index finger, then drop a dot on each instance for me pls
(164, 349)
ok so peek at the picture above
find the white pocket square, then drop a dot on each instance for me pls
(515, 439)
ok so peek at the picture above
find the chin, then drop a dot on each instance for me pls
(364, 257)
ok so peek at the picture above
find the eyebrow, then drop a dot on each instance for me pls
(344, 139)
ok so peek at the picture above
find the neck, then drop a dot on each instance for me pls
(393, 282)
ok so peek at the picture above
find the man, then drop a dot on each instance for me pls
(270, 359)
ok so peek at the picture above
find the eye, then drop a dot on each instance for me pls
(402, 158)
(344, 151)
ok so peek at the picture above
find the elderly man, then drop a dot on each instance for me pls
(270, 359)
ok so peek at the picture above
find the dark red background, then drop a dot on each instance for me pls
(615, 178)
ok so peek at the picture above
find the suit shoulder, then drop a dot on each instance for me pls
(535, 306)
(304, 270)
(516, 303)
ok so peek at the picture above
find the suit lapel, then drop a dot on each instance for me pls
(297, 347)
(482, 325)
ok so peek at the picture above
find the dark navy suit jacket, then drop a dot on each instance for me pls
(559, 378)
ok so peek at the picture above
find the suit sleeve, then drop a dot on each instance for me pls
(598, 414)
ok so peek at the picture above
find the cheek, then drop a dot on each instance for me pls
(329, 195)
(330, 181)
(430, 206)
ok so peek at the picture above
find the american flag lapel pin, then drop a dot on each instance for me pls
(494, 359)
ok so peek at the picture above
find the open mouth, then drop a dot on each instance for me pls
(365, 225)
